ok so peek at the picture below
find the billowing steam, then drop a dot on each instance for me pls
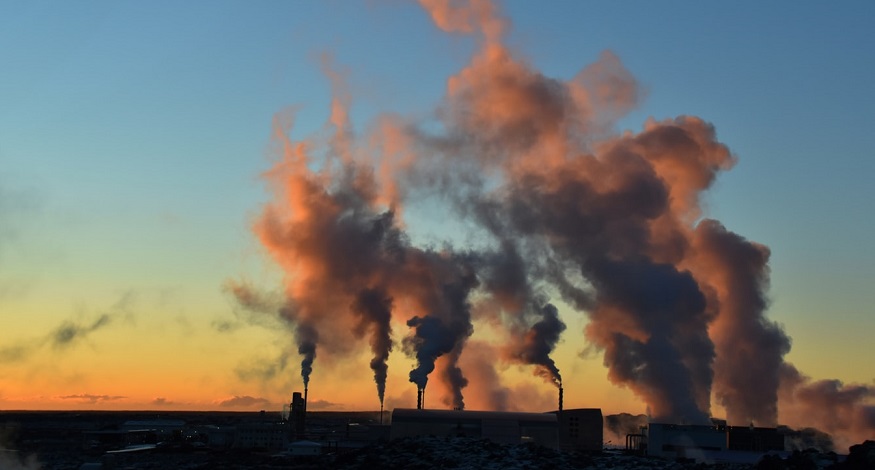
(845, 411)
(749, 347)
(562, 208)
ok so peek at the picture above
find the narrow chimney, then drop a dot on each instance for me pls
(560, 397)
(381, 412)
(305, 399)
(296, 416)
(418, 398)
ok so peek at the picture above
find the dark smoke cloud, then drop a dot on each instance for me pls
(539, 342)
(515, 306)
(453, 376)
(430, 340)
(374, 308)
(306, 336)
(68, 333)
(670, 361)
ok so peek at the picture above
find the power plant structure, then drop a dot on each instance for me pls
(578, 429)
(703, 442)
(298, 416)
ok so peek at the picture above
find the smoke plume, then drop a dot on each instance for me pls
(68, 333)
(845, 411)
(538, 342)
(562, 207)
(749, 347)
(374, 308)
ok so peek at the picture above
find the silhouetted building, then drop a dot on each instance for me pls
(497, 426)
(305, 448)
(260, 436)
(687, 441)
(749, 438)
(297, 416)
(581, 429)
(163, 428)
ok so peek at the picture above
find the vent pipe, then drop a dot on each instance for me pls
(418, 398)
(560, 397)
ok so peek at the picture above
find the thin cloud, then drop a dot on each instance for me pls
(251, 307)
(324, 405)
(244, 401)
(68, 333)
(89, 398)
(15, 353)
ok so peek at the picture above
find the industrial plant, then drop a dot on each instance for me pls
(570, 430)
(561, 438)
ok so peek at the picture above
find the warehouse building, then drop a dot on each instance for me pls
(581, 429)
(497, 426)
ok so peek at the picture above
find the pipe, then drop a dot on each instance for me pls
(305, 399)
(560, 398)
(418, 398)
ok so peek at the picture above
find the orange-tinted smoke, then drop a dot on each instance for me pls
(466, 16)
(750, 348)
(845, 411)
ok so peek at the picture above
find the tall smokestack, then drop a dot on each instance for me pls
(305, 398)
(560, 397)
(296, 416)
(418, 398)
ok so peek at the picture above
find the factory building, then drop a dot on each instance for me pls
(497, 426)
(711, 442)
(687, 441)
(266, 435)
(581, 429)
(753, 439)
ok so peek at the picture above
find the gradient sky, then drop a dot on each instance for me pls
(133, 136)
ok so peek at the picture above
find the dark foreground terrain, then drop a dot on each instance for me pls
(40, 440)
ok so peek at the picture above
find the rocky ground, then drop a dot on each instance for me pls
(462, 453)
(455, 453)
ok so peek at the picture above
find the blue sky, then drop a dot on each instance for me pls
(133, 134)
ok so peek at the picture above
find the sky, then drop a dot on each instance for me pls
(135, 138)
